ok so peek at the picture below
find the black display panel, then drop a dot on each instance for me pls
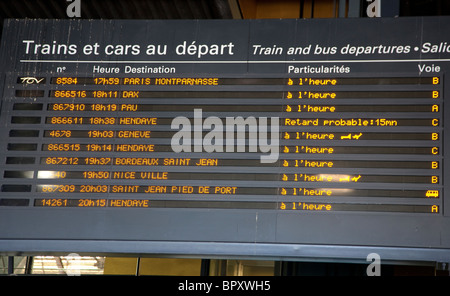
(264, 138)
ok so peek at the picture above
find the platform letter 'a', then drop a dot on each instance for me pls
(74, 8)
(374, 268)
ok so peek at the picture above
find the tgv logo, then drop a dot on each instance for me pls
(214, 140)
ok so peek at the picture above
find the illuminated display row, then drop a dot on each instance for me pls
(223, 190)
(289, 206)
(297, 177)
(305, 108)
(325, 122)
(352, 136)
(291, 95)
(297, 149)
(189, 81)
(293, 163)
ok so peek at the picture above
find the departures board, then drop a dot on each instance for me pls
(251, 138)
